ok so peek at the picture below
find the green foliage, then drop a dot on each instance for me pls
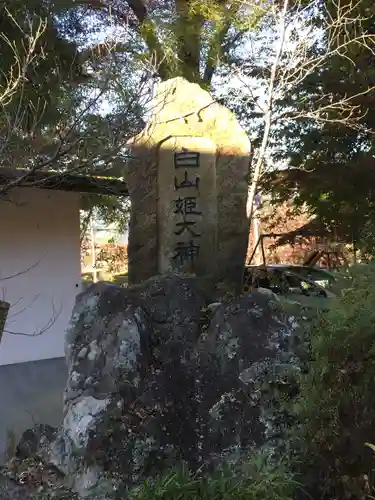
(323, 121)
(34, 45)
(331, 158)
(188, 38)
(107, 209)
(256, 480)
(336, 405)
(53, 117)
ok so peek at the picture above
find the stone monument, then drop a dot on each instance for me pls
(188, 187)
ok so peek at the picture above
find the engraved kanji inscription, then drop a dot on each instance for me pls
(186, 226)
(186, 159)
(186, 183)
(186, 252)
(187, 206)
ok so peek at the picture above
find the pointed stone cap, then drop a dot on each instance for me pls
(180, 106)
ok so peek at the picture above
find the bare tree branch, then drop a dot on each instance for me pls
(51, 320)
(268, 111)
(17, 74)
(67, 149)
(293, 61)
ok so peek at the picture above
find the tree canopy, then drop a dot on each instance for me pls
(55, 80)
(39, 59)
(331, 161)
(84, 70)
(186, 38)
(320, 146)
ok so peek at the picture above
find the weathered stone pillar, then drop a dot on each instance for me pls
(188, 187)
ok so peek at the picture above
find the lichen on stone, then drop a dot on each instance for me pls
(159, 390)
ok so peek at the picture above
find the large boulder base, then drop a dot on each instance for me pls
(10, 490)
(151, 385)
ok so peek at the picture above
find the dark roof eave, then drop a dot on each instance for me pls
(66, 182)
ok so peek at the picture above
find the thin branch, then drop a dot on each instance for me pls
(16, 275)
(268, 112)
(51, 321)
(17, 72)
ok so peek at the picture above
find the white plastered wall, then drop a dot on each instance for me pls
(40, 271)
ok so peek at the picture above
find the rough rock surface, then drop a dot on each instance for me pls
(32, 478)
(36, 441)
(9, 490)
(150, 386)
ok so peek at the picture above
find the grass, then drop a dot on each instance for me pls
(255, 480)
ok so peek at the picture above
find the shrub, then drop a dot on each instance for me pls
(336, 405)
(255, 480)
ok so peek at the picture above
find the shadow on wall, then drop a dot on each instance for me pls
(30, 393)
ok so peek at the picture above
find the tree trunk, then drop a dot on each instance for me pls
(267, 115)
(188, 29)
